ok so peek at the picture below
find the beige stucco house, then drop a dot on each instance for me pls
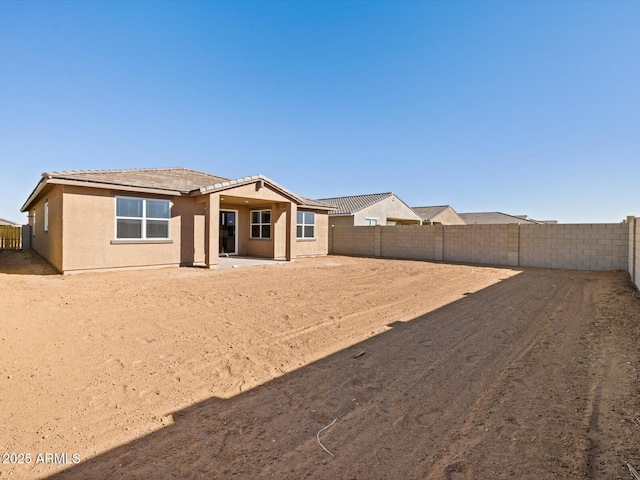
(439, 215)
(371, 210)
(110, 219)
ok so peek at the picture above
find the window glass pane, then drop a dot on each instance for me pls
(128, 207)
(255, 231)
(157, 229)
(309, 218)
(299, 231)
(158, 209)
(129, 228)
(266, 216)
(255, 217)
(308, 231)
(266, 231)
(300, 217)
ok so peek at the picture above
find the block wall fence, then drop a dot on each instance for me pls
(634, 249)
(607, 246)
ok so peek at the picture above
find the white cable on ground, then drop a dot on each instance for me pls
(322, 430)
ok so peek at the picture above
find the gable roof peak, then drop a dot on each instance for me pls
(353, 203)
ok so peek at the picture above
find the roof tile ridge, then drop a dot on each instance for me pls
(362, 195)
(114, 170)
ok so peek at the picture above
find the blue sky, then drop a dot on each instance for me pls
(521, 107)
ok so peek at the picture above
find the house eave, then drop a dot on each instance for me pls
(47, 180)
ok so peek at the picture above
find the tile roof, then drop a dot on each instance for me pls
(310, 202)
(174, 180)
(492, 218)
(427, 213)
(179, 179)
(354, 203)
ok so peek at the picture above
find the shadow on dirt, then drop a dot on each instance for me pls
(24, 262)
(399, 398)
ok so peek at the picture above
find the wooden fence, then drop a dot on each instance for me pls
(10, 237)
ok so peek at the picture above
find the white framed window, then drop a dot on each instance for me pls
(260, 223)
(142, 219)
(46, 216)
(33, 223)
(370, 222)
(306, 225)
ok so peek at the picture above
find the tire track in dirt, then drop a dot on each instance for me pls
(453, 464)
(573, 451)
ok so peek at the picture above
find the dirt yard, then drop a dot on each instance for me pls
(430, 371)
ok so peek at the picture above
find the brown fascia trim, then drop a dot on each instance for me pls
(83, 183)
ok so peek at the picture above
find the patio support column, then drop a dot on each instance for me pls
(292, 223)
(212, 230)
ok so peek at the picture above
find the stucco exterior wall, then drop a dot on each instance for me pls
(198, 235)
(318, 246)
(247, 198)
(448, 217)
(280, 232)
(389, 208)
(49, 243)
(252, 191)
(89, 230)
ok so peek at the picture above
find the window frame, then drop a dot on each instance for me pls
(46, 216)
(370, 221)
(143, 219)
(304, 224)
(260, 224)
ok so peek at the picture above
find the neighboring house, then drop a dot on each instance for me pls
(87, 220)
(493, 218)
(526, 217)
(9, 223)
(370, 210)
(440, 215)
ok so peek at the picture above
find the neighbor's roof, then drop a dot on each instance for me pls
(4, 221)
(354, 203)
(428, 213)
(170, 181)
(492, 218)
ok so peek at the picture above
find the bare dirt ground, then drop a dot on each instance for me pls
(432, 371)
